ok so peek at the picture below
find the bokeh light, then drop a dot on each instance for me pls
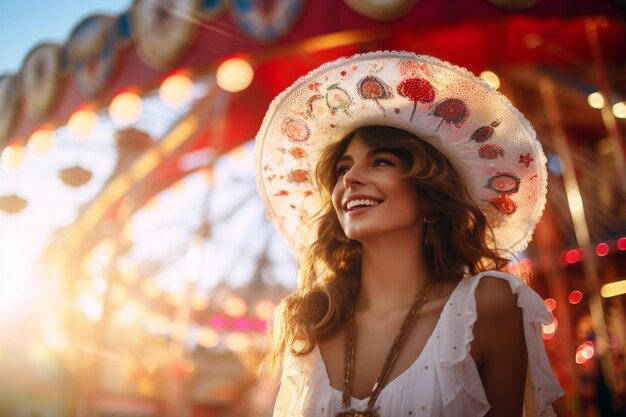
(176, 90)
(491, 78)
(41, 142)
(602, 249)
(234, 75)
(550, 304)
(235, 306)
(12, 158)
(619, 110)
(126, 108)
(82, 123)
(575, 297)
(596, 100)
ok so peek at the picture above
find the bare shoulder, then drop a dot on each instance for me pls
(494, 296)
(499, 347)
(499, 319)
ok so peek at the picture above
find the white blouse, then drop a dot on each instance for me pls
(443, 380)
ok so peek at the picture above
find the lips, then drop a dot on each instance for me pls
(357, 203)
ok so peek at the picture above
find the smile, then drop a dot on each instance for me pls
(353, 204)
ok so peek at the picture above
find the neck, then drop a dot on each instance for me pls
(393, 271)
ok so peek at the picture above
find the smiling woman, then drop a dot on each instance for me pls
(404, 231)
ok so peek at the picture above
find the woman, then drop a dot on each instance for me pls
(402, 306)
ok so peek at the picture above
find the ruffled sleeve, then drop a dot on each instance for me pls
(456, 370)
(293, 386)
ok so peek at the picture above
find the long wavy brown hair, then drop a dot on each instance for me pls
(329, 277)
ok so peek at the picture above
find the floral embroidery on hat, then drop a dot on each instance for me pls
(416, 90)
(484, 133)
(417, 94)
(297, 152)
(452, 111)
(526, 159)
(295, 129)
(338, 99)
(373, 88)
(490, 151)
(504, 204)
(310, 104)
(504, 183)
(298, 176)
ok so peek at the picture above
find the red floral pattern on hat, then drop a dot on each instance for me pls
(373, 88)
(416, 90)
(452, 110)
(490, 151)
(504, 204)
(504, 183)
(526, 159)
(411, 92)
(298, 176)
(484, 133)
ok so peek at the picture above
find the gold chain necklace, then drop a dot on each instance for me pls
(390, 360)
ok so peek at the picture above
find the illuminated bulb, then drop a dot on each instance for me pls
(208, 338)
(613, 288)
(550, 304)
(176, 90)
(491, 78)
(587, 352)
(12, 158)
(235, 306)
(596, 100)
(238, 342)
(234, 75)
(579, 358)
(619, 109)
(82, 123)
(575, 297)
(602, 249)
(549, 328)
(126, 108)
(265, 310)
(41, 142)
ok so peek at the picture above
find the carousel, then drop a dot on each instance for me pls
(138, 271)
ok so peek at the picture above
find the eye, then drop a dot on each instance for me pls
(341, 170)
(378, 162)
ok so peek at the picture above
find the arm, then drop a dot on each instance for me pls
(499, 347)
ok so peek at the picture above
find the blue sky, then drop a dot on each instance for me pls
(26, 23)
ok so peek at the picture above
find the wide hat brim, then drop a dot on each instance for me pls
(486, 139)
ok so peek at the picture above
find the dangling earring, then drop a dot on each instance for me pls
(429, 235)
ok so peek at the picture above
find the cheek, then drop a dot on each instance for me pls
(337, 197)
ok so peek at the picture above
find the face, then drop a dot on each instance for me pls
(372, 197)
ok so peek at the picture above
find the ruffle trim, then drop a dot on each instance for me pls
(455, 343)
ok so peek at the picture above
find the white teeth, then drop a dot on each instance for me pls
(364, 202)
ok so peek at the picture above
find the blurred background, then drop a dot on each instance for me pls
(138, 270)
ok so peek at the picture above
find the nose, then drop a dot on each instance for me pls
(354, 176)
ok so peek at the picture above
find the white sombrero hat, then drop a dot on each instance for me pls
(487, 140)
